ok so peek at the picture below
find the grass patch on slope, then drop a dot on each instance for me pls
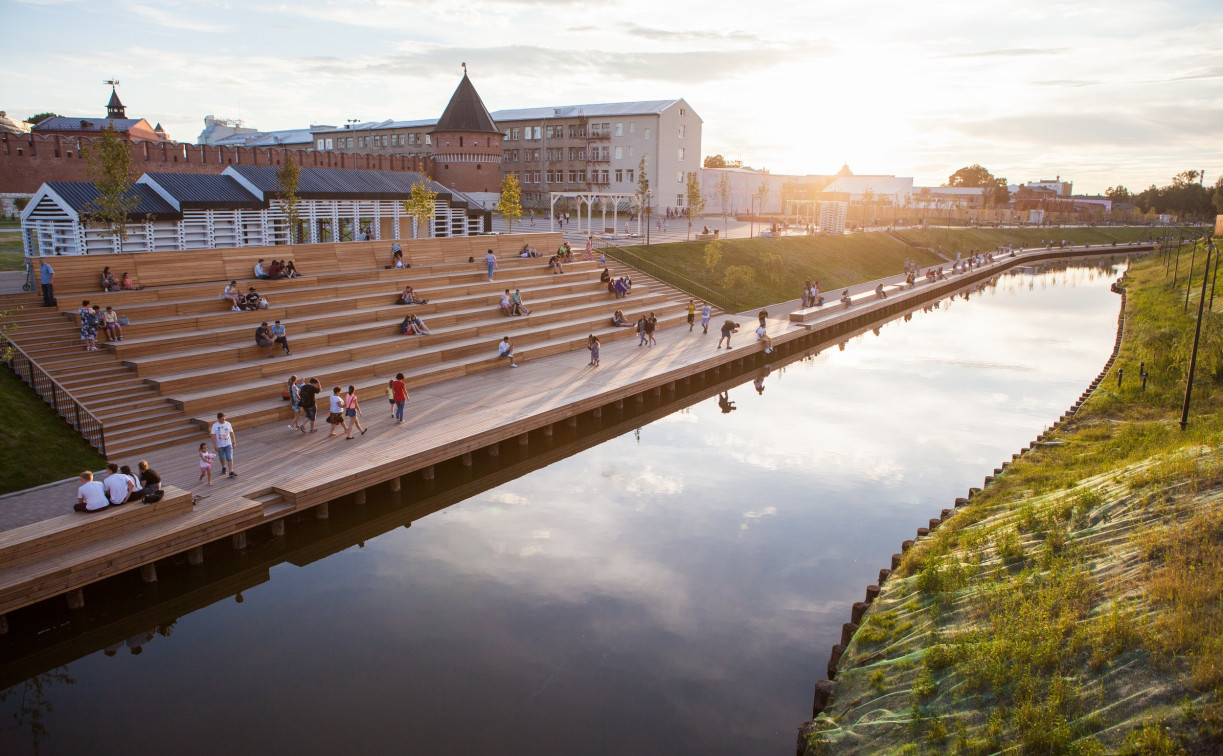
(1076, 606)
(961, 240)
(37, 445)
(752, 273)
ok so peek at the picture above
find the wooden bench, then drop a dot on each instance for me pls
(41, 539)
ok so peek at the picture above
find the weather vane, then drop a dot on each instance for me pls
(464, 64)
(112, 81)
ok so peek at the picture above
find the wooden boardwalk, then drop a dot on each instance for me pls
(281, 471)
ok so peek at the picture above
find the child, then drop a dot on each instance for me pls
(594, 350)
(206, 458)
(762, 335)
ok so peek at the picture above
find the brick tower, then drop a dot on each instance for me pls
(467, 144)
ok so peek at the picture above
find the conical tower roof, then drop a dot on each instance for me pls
(466, 112)
(114, 108)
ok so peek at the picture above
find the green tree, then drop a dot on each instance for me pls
(696, 200)
(714, 161)
(643, 186)
(419, 205)
(287, 179)
(109, 164)
(1218, 195)
(510, 202)
(40, 117)
(761, 195)
(1118, 193)
(723, 191)
(977, 175)
(736, 278)
(713, 255)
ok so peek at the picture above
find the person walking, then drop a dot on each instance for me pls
(352, 412)
(335, 418)
(89, 326)
(706, 311)
(651, 323)
(46, 275)
(399, 396)
(294, 391)
(206, 458)
(308, 394)
(691, 315)
(223, 440)
(490, 262)
(641, 330)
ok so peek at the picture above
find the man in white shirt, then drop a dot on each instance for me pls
(223, 439)
(506, 349)
(91, 496)
(259, 272)
(118, 486)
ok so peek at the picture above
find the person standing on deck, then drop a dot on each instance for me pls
(399, 396)
(706, 311)
(47, 276)
(728, 328)
(651, 323)
(306, 397)
(223, 439)
(691, 315)
(490, 262)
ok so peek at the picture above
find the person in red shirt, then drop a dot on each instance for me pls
(399, 395)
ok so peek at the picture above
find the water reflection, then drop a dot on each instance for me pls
(660, 580)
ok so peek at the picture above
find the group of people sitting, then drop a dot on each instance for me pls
(620, 321)
(278, 269)
(270, 336)
(413, 326)
(408, 296)
(123, 283)
(621, 287)
(251, 300)
(511, 304)
(119, 487)
(811, 296)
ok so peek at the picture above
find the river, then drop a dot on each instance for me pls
(673, 589)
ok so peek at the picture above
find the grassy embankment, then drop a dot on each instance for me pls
(752, 273)
(11, 255)
(36, 445)
(1076, 605)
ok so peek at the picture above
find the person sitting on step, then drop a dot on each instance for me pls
(408, 296)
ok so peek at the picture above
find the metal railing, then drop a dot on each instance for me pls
(669, 277)
(61, 400)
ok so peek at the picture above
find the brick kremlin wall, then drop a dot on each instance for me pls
(29, 160)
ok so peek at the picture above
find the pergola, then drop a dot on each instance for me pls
(588, 200)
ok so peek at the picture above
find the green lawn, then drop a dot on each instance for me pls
(37, 446)
(11, 253)
(984, 239)
(779, 266)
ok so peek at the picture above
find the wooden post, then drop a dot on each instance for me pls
(3, 624)
(639, 398)
(76, 598)
(619, 404)
(572, 421)
(428, 473)
(494, 449)
(359, 497)
(524, 439)
(322, 511)
(239, 541)
(195, 556)
(671, 387)
(148, 572)
(597, 412)
(395, 483)
(548, 430)
(278, 528)
(657, 391)
(466, 459)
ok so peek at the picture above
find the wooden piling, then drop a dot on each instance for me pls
(395, 483)
(322, 511)
(466, 459)
(278, 528)
(524, 439)
(195, 556)
(239, 540)
(76, 599)
(148, 573)
(494, 449)
(428, 473)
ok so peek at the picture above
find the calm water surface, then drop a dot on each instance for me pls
(671, 590)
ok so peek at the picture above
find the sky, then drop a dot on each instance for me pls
(1124, 92)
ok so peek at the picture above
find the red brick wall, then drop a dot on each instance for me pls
(480, 168)
(27, 160)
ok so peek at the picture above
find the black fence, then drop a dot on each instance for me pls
(64, 403)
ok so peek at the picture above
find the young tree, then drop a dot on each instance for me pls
(510, 202)
(287, 179)
(696, 200)
(419, 205)
(762, 194)
(976, 175)
(40, 117)
(109, 163)
(723, 191)
(643, 186)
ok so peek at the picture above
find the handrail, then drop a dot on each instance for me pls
(61, 399)
(668, 276)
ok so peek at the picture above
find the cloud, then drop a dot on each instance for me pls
(647, 32)
(1067, 83)
(1010, 52)
(181, 21)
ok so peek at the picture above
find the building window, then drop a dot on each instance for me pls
(581, 153)
(428, 139)
(647, 132)
(679, 153)
(619, 129)
(604, 174)
(515, 134)
(681, 111)
(632, 127)
(628, 175)
(537, 132)
(582, 176)
(679, 200)
(619, 152)
(619, 175)
(682, 130)
(321, 144)
(679, 177)
(329, 144)
(630, 150)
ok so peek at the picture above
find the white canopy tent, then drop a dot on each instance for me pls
(588, 200)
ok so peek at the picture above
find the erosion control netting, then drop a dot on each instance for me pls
(1033, 623)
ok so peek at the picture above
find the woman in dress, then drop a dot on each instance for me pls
(89, 326)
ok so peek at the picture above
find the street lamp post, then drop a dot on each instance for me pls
(1197, 332)
(647, 219)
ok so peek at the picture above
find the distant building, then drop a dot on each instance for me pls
(225, 133)
(130, 129)
(847, 187)
(10, 126)
(1057, 186)
(743, 186)
(948, 197)
(595, 148)
(238, 208)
